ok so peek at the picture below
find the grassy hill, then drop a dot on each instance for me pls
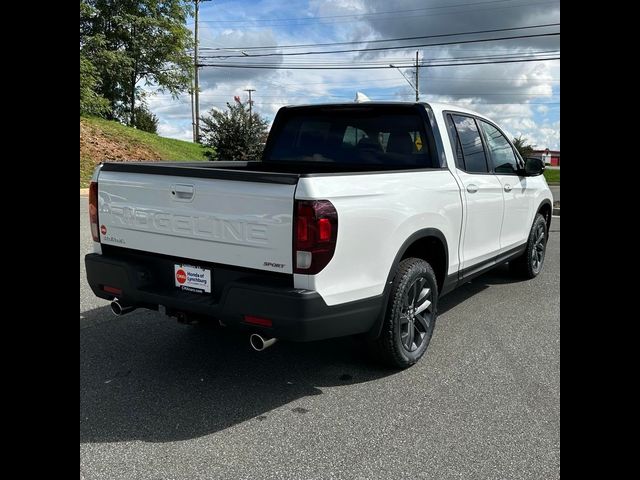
(104, 140)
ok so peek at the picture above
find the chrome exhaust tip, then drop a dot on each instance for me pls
(119, 309)
(259, 343)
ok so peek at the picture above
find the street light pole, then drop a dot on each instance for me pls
(415, 88)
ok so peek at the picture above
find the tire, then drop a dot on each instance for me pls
(530, 263)
(410, 317)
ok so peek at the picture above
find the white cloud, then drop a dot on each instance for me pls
(166, 129)
(507, 93)
(324, 8)
(546, 135)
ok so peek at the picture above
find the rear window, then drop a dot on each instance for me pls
(352, 137)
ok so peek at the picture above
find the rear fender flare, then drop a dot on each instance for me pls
(423, 233)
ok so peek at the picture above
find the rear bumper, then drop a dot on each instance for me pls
(297, 315)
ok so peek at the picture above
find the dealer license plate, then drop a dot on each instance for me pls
(192, 279)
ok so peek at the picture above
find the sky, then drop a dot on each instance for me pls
(522, 97)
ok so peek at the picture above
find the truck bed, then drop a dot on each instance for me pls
(240, 171)
(255, 171)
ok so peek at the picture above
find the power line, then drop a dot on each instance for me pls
(386, 61)
(185, 101)
(420, 37)
(550, 105)
(388, 95)
(283, 23)
(321, 17)
(395, 81)
(284, 67)
(401, 47)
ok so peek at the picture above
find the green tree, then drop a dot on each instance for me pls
(91, 102)
(232, 134)
(522, 146)
(145, 120)
(132, 43)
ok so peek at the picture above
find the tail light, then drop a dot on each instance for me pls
(93, 211)
(315, 233)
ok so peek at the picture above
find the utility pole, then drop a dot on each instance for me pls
(250, 103)
(417, 89)
(193, 118)
(196, 67)
(196, 83)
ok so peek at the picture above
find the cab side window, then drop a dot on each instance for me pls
(470, 155)
(502, 155)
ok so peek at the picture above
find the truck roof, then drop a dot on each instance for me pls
(437, 107)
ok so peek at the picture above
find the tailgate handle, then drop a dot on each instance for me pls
(182, 193)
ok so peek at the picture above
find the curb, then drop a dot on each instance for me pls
(556, 211)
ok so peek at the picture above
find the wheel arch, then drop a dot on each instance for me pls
(429, 244)
(546, 209)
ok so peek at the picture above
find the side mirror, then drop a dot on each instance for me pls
(533, 167)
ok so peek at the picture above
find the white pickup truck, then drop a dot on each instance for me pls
(355, 221)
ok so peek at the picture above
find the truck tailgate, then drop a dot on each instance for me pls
(230, 220)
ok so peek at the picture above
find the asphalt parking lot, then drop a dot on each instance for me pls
(160, 400)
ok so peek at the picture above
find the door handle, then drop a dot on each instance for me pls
(507, 188)
(471, 188)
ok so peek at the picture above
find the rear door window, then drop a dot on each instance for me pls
(468, 145)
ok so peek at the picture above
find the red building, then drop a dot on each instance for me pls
(550, 157)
